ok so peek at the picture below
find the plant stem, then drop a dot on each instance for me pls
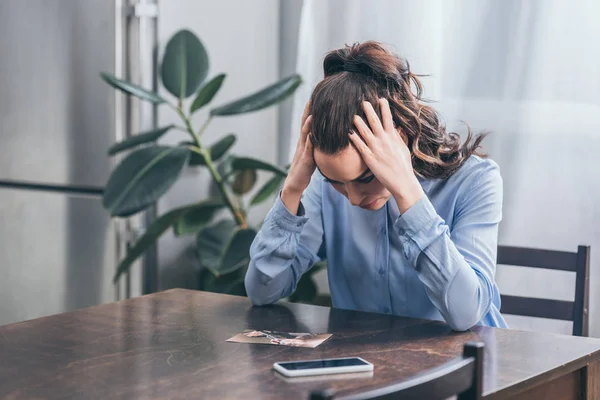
(235, 210)
(237, 213)
(181, 128)
(204, 126)
(188, 125)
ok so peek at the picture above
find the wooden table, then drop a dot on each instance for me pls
(172, 345)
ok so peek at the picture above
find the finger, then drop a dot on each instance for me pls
(305, 113)
(304, 131)
(362, 147)
(364, 130)
(308, 148)
(306, 126)
(386, 115)
(372, 117)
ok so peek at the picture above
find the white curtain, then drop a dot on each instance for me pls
(526, 70)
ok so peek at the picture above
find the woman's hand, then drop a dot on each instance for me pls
(386, 154)
(302, 167)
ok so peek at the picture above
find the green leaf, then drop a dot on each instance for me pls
(226, 169)
(208, 282)
(262, 99)
(142, 177)
(132, 89)
(207, 93)
(138, 139)
(267, 190)
(319, 266)
(243, 163)
(224, 248)
(184, 65)
(217, 150)
(232, 283)
(212, 240)
(237, 253)
(196, 158)
(236, 288)
(306, 289)
(154, 231)
(244, 181)
(194, 220)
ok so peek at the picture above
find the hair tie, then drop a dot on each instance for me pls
(351, 67)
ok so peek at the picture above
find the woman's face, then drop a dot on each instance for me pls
(349, 175)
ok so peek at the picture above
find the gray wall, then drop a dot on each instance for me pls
(56, 120)
(289, 14)
(242, 39)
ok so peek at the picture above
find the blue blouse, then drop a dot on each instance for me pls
(436, 261)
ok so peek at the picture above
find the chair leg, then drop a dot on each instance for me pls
(475, 350)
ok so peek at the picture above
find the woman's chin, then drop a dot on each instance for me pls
(374, 205)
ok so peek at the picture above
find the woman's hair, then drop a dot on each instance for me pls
(368, 71)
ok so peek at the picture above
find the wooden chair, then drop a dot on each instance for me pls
(462, 376)
(576, 311)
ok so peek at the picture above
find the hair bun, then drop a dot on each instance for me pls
(369, 59)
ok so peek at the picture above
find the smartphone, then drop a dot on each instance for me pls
(323, 367)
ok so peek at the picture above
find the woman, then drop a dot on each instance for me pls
(405, 214)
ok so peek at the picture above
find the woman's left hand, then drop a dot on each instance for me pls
(386, 154)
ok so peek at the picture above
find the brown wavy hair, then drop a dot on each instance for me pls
(368, 71)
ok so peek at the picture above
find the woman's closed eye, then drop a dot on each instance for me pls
(365, 180)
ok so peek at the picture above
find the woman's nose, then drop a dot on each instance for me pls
(354, 195)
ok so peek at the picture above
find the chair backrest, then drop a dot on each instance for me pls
(462, 376)
(579, 262)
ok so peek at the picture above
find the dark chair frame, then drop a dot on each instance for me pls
(462, 376)
(575, 311)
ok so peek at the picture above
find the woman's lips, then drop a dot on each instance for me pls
(372, 203)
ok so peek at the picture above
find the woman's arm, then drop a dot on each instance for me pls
(286, 246)
(458, 266)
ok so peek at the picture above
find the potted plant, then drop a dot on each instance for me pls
(148, 171)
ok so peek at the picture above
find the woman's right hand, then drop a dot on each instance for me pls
(302, 167)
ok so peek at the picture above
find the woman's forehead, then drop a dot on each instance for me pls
(344, 166)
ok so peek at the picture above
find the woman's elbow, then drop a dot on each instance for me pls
(254, 295)
(469, 300)
(257, 301)
(257, 293)
(465, 315)
(462, 323)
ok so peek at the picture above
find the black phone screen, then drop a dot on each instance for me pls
(327, 363)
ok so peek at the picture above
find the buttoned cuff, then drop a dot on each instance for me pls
(415, 227)
(416, 218)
